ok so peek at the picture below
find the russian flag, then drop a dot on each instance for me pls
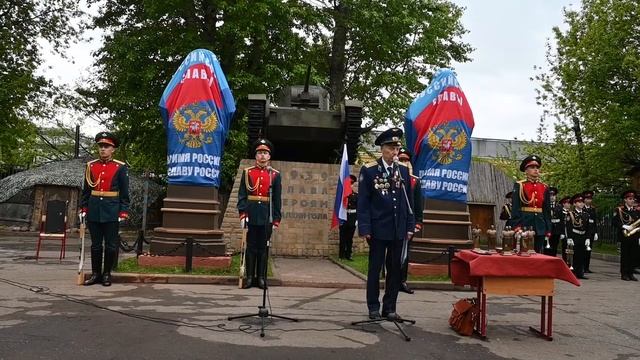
(343, 190)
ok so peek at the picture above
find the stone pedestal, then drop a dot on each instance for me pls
(189, 211)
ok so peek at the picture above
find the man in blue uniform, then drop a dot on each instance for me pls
(104, 203)
(259, 205)
(384, 221)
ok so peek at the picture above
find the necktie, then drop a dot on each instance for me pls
(390, 170)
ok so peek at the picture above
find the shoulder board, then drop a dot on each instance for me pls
(402, 164)
(521, 181)
(249, 168)
(371, 164)
(119, 162)
(275, 171)
(92, 161)
(413, 176)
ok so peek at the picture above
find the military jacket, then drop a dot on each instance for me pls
(625, 216)
(531, 207)
(593, 221)
(505, 214)
(382, 209)
(352, 206)
(557, 219)
(253, 195)
(578, 224)
(105, 191)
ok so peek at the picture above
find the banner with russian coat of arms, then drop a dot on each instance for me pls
(197, 108)
(438, 126)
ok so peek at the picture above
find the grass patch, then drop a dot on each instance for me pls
(360, 264)
(130, 265)
(604, 248)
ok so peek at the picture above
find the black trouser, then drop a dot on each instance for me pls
(587, 257)
(377, 251)
(257, 236)
(564, 249)
(579, 252)
(106, 232)
(628, 255)
(538, 243)
(346, 240)
(553, 242)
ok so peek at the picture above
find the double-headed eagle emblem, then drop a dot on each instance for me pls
(189, 120)
(447, 143)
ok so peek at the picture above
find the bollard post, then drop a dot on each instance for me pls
(188, 255)
(139, 243)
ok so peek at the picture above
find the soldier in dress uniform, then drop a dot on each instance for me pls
(404, 157)
(104, 203)
(592, 234)
(624, 218)
(348, 228)
(531, 203)
(507, 209)
(384, 221)
(577, 230)
(557, 227)
(259, 205)
(565, 204)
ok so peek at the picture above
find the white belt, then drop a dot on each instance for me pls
(581, 232)
(351, 211)
(555, 220)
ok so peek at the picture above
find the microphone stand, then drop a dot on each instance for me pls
(396, 320)
(263, 312)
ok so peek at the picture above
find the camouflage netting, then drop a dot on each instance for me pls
(70, 173)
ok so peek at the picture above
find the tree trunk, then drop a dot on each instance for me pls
(337, 60)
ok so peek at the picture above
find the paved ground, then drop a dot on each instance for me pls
(43, 314)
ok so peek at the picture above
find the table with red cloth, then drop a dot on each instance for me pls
(495, 274)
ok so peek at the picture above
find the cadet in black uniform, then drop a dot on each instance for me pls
(104, 203)
(624, 219)
(348, 228)
(592, 234)
(557, 226)
(384, 220)
(577, 228)
(565, 206)
(505, 214)
(259, 212)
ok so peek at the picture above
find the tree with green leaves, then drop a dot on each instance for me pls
(24, 94)
(374, 51)
(590, 94)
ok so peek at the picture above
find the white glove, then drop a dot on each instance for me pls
(626, 227)
(82, 215)
(274, 227)
(595, 237)
(562, 236)
(120, 219)
(244, 222)
(587, 243)
(356, 223)
(570, 242)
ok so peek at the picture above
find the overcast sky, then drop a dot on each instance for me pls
(509, 38)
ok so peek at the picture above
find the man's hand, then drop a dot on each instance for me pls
(570, 242)
(595, 237)
(82, 215)
(274, 227)
(244, 222)
(562, 236)
(367, 239)
(409, 235)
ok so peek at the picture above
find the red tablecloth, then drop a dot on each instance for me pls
(468, 266)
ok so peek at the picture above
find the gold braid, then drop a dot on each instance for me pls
(626, 220)
(523, 197)
(246, 181)
(87, 176)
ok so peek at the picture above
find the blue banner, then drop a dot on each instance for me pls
(438, 127)
(197, 108)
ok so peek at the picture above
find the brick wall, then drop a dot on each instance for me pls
(308, 193)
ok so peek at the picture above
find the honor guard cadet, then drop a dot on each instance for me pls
(104, 203)
(565, 206)
(404, 157)
(531, 203)
(592, 234)
(577, 229)
(505, 214)
(557, 225)
(348, 228)
(384, 221)
(626, 219)
(254, 205)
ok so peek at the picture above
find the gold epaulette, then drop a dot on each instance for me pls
(119, 162)
(92, 161)
(371, 164)
(275, 171)
(249, 168)
(403, 164)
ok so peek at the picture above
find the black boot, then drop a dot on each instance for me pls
(261, 269)
(249, 269)
(96, 269)
(109, 259)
